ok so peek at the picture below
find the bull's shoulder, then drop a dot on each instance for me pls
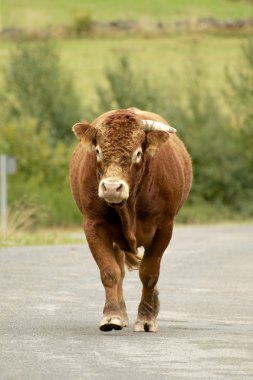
(173, 168)
(82, 166)
(77, 157)
(174, 154)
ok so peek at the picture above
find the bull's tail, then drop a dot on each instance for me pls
(132, 260)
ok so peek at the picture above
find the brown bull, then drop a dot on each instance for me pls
(130, 174)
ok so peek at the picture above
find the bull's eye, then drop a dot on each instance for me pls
(99, 153)
(137, 154)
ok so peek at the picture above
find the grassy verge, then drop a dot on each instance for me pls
(46, 236)
(69, 236)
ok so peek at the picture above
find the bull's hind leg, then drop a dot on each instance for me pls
(149, 274)
(120, 258)
(110, 272)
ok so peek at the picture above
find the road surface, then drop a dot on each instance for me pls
(51, 303)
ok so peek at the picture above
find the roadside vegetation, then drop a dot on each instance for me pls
(202, 83)
(217, 129)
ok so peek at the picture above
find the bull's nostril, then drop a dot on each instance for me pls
(103, 186)
(119, 187)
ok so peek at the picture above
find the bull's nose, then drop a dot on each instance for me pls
(110, 187)
(113, 190)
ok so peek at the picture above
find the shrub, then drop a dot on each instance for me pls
(35, 156)
(126, 88)
(37, 112)
(39, 87)
(42, 171)
(83, 23)
(54, 202)
(241, 107)
(204, 129)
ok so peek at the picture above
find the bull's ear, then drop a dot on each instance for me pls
(154, 139)
(85, 132)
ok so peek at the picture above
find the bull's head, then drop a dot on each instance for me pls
(122, 143)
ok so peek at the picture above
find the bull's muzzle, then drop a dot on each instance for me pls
(113, 190)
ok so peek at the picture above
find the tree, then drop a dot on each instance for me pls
(38, 86)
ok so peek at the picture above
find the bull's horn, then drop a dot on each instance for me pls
(151, 125)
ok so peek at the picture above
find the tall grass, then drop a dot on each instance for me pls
(21, 217)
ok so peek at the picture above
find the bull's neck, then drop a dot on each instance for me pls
(127, 212)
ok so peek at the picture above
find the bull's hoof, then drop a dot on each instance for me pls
(111, 323)
(145, 326)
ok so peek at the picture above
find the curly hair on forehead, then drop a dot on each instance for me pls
(122, 119)
(122, 113)
(121, 132)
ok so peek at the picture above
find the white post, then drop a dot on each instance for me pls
(3, 191)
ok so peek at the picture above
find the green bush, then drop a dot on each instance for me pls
(54, 202)
(42, 171)
(126, 88)
(38, 86)
(240, 100)
(204, 128)
(37, 112)
(36, 157)
(82, 24)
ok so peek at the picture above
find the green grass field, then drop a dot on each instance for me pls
(156, 58)
(87, 59)
(27, 13)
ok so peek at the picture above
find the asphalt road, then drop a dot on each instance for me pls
(51, 303)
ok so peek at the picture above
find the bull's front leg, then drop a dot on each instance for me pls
(101, 246)
(149, 275)
(120, 258)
